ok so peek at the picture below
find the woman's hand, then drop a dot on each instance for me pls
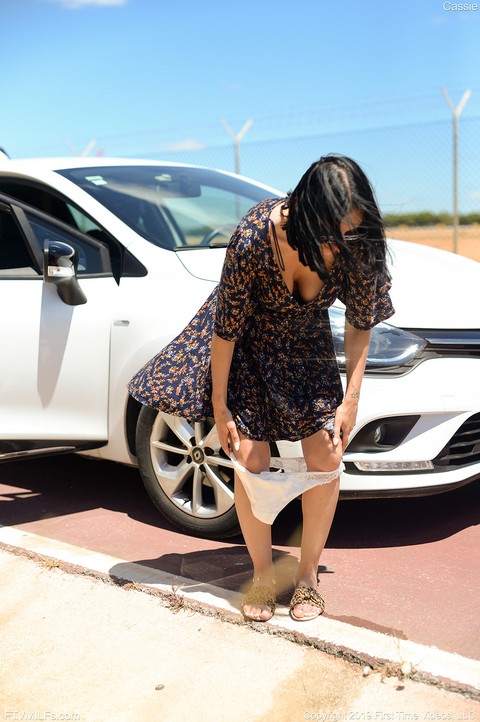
(345, 419)
(356, 349)
(226, 429)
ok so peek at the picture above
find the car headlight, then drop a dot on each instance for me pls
(389, 346)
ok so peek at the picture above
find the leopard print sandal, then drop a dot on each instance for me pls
(307, 595)
(260, 595)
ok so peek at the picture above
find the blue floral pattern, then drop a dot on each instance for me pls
(284, 380)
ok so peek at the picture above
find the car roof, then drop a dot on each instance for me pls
(41, 167)
(63, 163)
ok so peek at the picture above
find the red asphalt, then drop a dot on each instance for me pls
(406, 567)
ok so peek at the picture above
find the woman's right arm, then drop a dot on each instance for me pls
(234, 304)
(221, 360)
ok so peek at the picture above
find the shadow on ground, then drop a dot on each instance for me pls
(58, 486)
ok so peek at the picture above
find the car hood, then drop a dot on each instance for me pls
(431, 289)
(204, 263)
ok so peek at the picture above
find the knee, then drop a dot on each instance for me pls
(253, 459)
(320, 453)
(326, 466)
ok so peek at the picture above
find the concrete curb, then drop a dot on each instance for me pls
(381, 652)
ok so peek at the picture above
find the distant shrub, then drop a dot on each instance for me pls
(470, 218)
(427, 218)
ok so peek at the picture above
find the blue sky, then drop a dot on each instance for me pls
(139, 76)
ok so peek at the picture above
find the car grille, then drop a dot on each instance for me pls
(452, 344)
(463, 448)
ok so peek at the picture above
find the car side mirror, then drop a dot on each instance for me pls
(60, 268)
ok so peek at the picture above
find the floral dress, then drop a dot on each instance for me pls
(284, 380)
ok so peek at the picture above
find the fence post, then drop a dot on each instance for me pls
(236, 139)
(456, 112)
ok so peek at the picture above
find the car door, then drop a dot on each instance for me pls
(54, 359)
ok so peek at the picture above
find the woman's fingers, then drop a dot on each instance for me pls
(224, 440)
(233, 434)
(227, 431)
(345, 418)
(337, 429)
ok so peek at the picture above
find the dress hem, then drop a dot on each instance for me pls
(325, 427)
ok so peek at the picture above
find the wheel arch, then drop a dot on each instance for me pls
(132, 413)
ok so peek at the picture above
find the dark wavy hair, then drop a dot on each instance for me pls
(327, 193)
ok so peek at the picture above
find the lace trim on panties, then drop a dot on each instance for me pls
(270, 491)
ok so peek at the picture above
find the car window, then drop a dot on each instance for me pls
(93, 256)
(48, 202)
(172, 207)
(53, 205)
(15, 259)
(208, 219)
(82, 222)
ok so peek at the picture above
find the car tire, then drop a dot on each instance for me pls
(186, 474)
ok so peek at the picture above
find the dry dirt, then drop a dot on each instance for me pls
(441, 236)
(76, 648)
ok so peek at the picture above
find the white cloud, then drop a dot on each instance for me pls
(474, 195)
(231, 86)
(180, 146)
(77, 4)
(438, 19)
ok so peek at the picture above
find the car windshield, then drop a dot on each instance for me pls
(173, 207)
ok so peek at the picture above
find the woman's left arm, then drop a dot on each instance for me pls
(356, 350)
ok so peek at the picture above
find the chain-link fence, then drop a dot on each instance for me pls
(409, 165)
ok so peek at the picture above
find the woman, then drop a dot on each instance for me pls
(273, 369)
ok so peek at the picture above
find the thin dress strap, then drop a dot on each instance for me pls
(277, 247)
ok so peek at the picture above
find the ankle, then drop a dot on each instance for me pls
(264, 575)
(307, 578)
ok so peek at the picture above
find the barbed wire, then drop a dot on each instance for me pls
(283, 123)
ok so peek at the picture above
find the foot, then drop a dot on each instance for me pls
(306, 603)
(259, 601)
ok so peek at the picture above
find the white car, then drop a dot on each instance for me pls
(104, 261)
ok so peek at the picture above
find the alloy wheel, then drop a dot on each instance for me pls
(190, 466)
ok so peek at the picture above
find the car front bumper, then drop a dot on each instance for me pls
(443, 398)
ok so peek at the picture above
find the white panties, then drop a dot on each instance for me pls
(270, 491)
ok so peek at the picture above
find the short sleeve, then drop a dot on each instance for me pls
(234, 300)
(367, 299)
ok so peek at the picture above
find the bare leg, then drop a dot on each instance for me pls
(255, 456)
(318, 506)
